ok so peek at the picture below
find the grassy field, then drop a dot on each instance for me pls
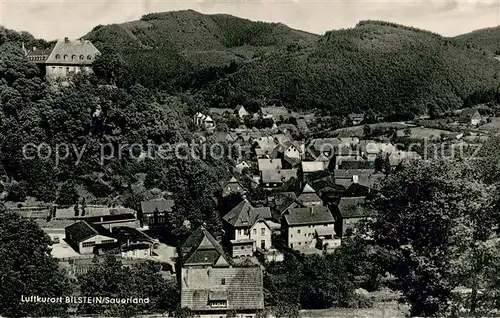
(425, 133)
(358, 131)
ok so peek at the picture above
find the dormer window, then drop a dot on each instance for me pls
(223, 281)
(89, 57)
(82, 57)
(65, 56)
(58, 57)
(73, 57)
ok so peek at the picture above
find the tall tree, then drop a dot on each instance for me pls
(28, 269)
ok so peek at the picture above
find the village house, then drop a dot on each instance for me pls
(247, 229)
(348, 213)
(302, 126)
(85, 237)
(470, 116)
(65, 58)
(223, 292)
(133, 243)
(347, 177)
(201, 250)
(241, 112)
(356, 119)
(270, 179)
(309, 197)
(232, 186)
(155, 212)
(205, 121)
(301, 226)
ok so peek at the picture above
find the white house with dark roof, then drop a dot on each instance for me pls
(155, 212)
(241, 112)
(84, 237)
(65, 58)
(218, 292)
(247, 229)
(303, 225)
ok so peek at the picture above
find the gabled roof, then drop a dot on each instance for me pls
(242, 287)
(245, 215)
(308, 216)
(201, 248)
(162, 205)
(269, 164)
(470, 113)
(349, 173)
(309, 197)
(284, 200)
(76, 52)
(313, 166)
(308, 189)
(84, 230)
(277, 176)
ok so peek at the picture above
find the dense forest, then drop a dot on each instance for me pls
(379, 66)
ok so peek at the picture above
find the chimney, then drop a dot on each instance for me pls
(66, 39)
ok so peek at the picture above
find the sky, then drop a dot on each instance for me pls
(56, 19)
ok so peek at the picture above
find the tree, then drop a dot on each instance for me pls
(109, 278)
(367, 131)
(421, 214)
(28, 269)
(68, 194)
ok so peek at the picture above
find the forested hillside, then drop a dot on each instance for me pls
(486, 39)
(63, 120)
(380, 66)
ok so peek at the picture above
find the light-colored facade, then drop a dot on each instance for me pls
(259, 233)
(67, 57)
(87, 246)
(304, 236)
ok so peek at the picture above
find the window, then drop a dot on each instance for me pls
(82, 57)
(65, 56)
(254, 231)
(53, 67)
(246, 231)
(88, 244)
(298, 231)
(300, 243)
(107, 241)
(58, 56)
(262, 231)
(89, 57)
(223, 281)
(67, 68)
(73, 57)
(218, 303)
(239, 232)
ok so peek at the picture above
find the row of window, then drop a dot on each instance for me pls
(89, 244)
(254, 232)
(73, 57)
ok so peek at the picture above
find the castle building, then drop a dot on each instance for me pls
(66, 57)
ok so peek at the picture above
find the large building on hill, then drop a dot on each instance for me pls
(66, 57)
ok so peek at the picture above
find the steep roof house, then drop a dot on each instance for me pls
(470, 116)
(309, 197)
(201, 250)
(65, 58)
(240, 111)
(218, 292)
(302, 226)
(247, 229)
(233, 185)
